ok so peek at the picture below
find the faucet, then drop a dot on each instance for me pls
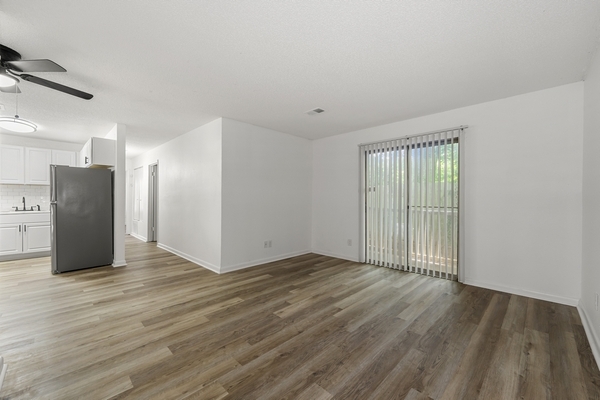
(24, 208)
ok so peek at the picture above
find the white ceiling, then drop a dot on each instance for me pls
(165, 67)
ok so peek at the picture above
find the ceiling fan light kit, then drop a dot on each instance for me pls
(16, 124)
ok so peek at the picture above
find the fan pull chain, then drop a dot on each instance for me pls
(17, 101)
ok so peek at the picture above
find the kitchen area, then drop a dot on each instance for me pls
(27, 191)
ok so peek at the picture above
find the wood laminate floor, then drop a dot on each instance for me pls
(310, 327)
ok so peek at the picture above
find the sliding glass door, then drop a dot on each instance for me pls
(411, 203)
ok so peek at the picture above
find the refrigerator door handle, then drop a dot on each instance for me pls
(53, 184)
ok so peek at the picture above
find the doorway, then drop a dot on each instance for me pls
(153, 202)
(137, 202)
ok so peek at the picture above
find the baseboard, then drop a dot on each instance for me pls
(23, 256)
(526, 293)
(329, 254)
(120, 263)
(590, 333)
(262, 261)
(202, 263)
(138, 237)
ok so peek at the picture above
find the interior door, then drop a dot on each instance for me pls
(138, 174)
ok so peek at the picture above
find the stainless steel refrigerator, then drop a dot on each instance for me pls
(81, 215)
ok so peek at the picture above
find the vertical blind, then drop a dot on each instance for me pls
(411, 203)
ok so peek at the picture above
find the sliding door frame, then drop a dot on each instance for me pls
(409, 144)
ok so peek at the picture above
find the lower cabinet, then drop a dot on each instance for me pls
(25, 235)
(11, 239)
(36, 237)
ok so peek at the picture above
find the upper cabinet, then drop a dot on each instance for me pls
(31, 166)
(12, 164)
(37, 166)
(63, 157)
(98, 153)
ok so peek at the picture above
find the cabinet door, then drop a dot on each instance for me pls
(12, 164)
(37, 166)
(103, 151)
(10, 239)
(36, 237)
(62, 157)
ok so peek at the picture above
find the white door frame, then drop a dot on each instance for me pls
(153, 202)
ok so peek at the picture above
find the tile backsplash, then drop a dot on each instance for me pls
(12, 196)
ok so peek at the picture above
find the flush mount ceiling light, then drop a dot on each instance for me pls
(16, 124)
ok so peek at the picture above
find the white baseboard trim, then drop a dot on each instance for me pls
(569, 301)
(329, 254)
(202, 263)
(119, 263)
(254, 263)
(591, 333)
(23, 256)
(138, 237)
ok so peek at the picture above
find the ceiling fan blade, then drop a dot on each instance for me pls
(56, 86)
(34, 66)
(9, 89)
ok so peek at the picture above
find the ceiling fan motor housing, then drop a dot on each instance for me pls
(8, 54)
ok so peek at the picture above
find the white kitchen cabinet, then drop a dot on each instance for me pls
(63, 157)
(98, 153)
(37, 166)
(11, 239)
(36, 237)
(12, 164)
(24, 234)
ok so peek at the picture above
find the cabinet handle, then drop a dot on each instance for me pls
(19, 228)
(24, 228)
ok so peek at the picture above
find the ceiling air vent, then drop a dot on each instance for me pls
(315, 111)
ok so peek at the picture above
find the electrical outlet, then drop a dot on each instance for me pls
(270, 243)
(349, 242)
(266, 244)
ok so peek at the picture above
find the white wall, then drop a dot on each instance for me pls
(189, 194)
(523, 184)
(591, 210)
(266, 195)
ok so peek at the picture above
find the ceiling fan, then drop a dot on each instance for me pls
(13, 67)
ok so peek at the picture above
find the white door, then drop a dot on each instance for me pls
(138, 174)
(12, 164)
(36, 237)
(63, 157)
(10, 239)
(152, 202)
(37, 166)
